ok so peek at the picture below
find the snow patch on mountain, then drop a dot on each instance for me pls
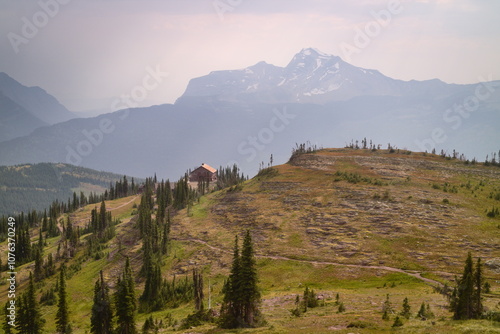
(311, 76)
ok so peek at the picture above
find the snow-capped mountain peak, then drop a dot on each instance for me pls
(310, 77)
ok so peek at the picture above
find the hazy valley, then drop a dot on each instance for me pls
(368, 226)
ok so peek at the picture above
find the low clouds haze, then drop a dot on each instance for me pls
(91, 51)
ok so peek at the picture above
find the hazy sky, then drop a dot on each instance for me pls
(89, 52)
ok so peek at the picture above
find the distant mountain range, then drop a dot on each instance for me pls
(23, 109)
(246, 115)
(310, 77)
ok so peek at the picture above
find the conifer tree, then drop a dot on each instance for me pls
(152, 297)
(241, 295)
(406, 309)
(33, 315)
(425, 312)
(310, 299)
(40, 241)
(102, 217)
(21, 316)
(28, 320)
(101, 321)
(38, 264)
(147, 259)
(249, 289)
(49, 266)
(397, 322)
(387, 306)
(231, 306)
(125, 302)
(466, 300)
(62, 316)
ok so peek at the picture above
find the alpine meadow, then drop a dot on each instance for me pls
(251, 167)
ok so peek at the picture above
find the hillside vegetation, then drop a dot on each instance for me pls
(363, 229)
(35, 186)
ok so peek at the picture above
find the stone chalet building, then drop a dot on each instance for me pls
(203, 173)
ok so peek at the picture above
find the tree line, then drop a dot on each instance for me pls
(34, 187)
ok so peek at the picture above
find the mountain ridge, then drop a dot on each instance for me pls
(36, 100)
(228, 121)
(28, 187)
(310, 77)
(16, 121)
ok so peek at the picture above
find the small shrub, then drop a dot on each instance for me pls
(425, 312)
(406, 309)
(296, 312)
(397, 322)
(197, 319)
(492, 315)
(493, 213)
(341, 308)
(299, 309)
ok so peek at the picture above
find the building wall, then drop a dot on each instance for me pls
(201, 173)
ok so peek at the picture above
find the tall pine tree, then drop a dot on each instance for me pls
(101, 321)
(230, 314)
(249, 290)
(466, 300)
(33, 315)
(240, 307)
(125, 302)
(62, 316)
(29, 319)
(21, 317)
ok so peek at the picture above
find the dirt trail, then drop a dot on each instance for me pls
(84, 220)
(121, 206)
(415, 274)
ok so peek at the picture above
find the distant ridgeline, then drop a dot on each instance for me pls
(28, 187)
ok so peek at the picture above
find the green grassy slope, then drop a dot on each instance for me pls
(356, 223)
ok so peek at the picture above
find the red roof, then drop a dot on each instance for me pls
(209, 168)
